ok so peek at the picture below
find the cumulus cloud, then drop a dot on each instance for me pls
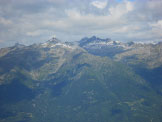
(158, 24)
(121, 9)
(157, 28)
(36, 20)
(99, 4)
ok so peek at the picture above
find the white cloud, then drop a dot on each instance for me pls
(126, 29)
(156, 28)
(72, 13)
(4, 21)
(99, 4)
(129, 6)
(34, 33)
(121, 9)
(158, 24)
(126, 20)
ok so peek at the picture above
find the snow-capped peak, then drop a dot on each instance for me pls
(54, 42)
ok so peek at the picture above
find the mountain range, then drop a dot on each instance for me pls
(92, 80)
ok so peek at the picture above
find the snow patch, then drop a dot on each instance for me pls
(56, 44)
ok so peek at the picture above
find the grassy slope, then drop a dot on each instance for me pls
(84, 88)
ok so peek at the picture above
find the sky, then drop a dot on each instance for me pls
(35, 21)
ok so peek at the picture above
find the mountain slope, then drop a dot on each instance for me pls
(59, 82)
(145, 59)
(149, 55)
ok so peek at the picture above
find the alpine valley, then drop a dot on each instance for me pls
(92, 80)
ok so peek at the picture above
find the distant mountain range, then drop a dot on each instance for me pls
(95, 80)
(131, 52)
